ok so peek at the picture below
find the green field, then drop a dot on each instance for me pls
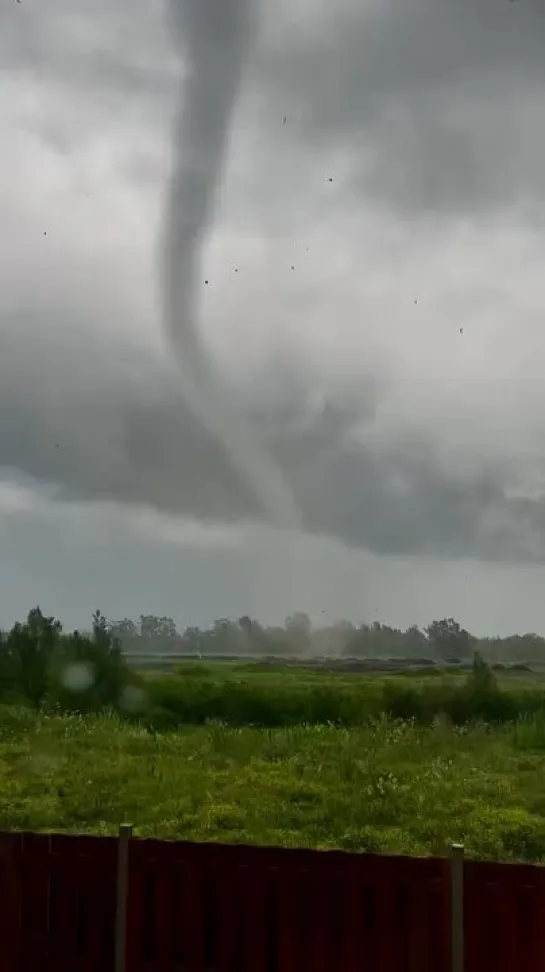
(323, 765)
(275, 697)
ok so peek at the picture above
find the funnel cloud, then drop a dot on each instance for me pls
(394, 155)
(218, 33)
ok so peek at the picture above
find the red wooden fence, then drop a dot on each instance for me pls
(217, 908)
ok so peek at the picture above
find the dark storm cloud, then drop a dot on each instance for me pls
(438, 106)
(439, 102)
(126, 436)
(109, 425)
(398, 498)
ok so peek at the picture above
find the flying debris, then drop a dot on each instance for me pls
(283, 120)
(461, 330)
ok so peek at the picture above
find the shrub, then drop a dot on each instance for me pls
(87, 675)
(28, 650)
(42, 667)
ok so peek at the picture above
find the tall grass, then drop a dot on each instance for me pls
(389, 786)
(195, 695)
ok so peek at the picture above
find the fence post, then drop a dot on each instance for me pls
(125, 834)
(457, 907)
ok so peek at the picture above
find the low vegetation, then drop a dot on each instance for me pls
(390, 786)
(241, 695)
(51, 671)
(270, 753)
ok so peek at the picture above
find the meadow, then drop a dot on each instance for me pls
(265, 696)
(399, 763)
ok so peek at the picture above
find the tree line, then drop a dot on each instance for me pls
(49, 669)
(441, 640)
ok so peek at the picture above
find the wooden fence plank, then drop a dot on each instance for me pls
(88, 869)
(288, 930)
(10, 902)
(257, 904)
(34, 860)
(63, 937)
(504, 917)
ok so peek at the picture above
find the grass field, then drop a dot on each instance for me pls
(377, 784)
(268, 697)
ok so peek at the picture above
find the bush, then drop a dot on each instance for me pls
(262, 703)
(26, 657)
(270, 702)
(44, 668)
(87, 674)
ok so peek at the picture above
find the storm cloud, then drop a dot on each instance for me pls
(373, 268)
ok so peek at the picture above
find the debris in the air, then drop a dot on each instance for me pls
(416, 302)
(293, 268)
(283, 120)
(236, 269)
(330, 179)
(461, 330)
(206, 281)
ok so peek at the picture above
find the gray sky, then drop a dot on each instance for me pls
(394, 375)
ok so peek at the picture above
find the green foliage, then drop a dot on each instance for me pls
(44, 668)
(245, 697)
(242, 695)
(390, 786)
(30, 648)
(269, 752)
(87, 674)
(448, 639)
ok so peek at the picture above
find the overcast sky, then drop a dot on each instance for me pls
(368, 282)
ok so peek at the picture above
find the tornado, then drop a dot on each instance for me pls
(213, 38)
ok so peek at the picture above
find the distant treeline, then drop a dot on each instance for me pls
(53, 671)
(444, 640)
